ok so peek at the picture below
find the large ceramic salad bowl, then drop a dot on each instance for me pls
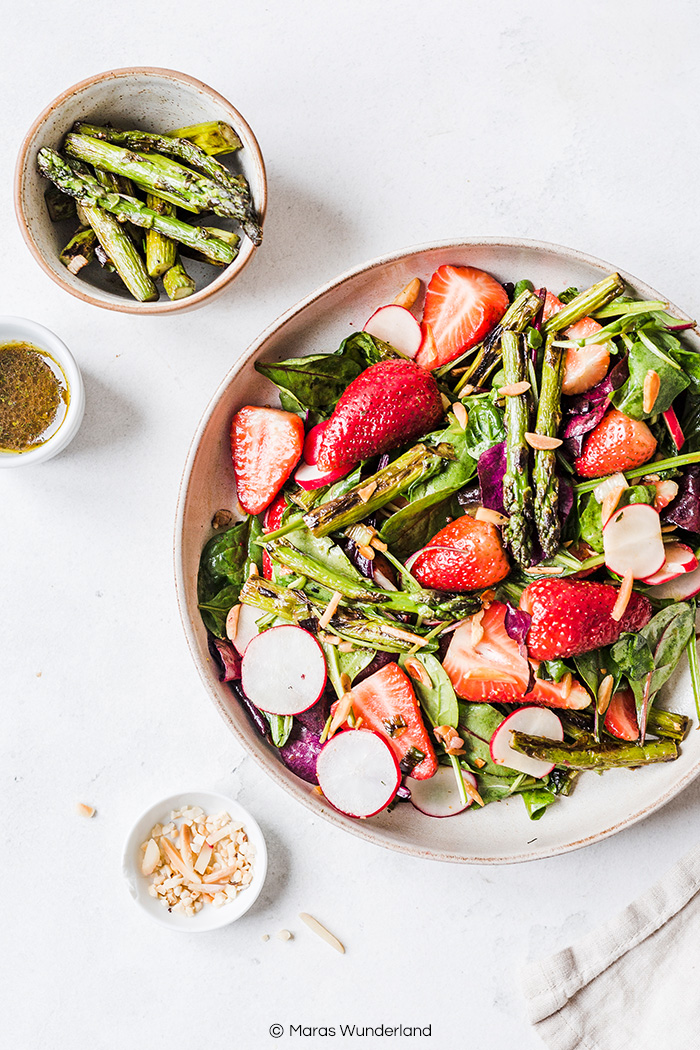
(501, 833)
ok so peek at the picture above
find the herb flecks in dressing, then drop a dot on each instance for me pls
(30, 396)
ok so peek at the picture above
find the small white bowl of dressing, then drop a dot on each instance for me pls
(212, 914)
(42, 397)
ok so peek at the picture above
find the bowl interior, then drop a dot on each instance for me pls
(502, 832)
(157, 101)
(209, 918)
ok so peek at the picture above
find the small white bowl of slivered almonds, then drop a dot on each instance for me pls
(195, 861)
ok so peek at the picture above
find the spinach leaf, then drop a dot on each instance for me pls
(438, 701)
(216, 607)
(537, 800)
(477, 724)
(485, 426)
(690, 423)
(315, 383)
(649, 657)
(280, 728)
(649, 352)
(493, 788)
(221, 575)
(591, 524)
(411, 527)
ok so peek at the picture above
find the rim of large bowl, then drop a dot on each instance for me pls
(127, 306)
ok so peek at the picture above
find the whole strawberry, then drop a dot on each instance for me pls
(618, 443)
(465, 555)
(574, 616)
(389, 404)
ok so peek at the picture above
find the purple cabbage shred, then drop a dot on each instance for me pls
(491, 468)
(226, 659)
(517, 623)
(684, 511)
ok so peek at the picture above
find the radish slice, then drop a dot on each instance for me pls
(674, 427)
(685, 586)
(633, 543)
(308, 476)
(679, 559)
(438, 796)
(396, 325)
(358, 773)
(283, 670)
(312, 442)
(537, 721)
(247, 627)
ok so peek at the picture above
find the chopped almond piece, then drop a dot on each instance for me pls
(340, 715)
(203, 859)
(366, 552)
(605, 694)
(479, 763)
(514, 389)
(151, 858)
(366, 493)
(461, 414)
(417, 671)
(84, 810)
(652, 385)
(450, 739)
(322, 932)
(486, 514)
(623, 597)
(331, 609)
(408, 295)
(542, 442)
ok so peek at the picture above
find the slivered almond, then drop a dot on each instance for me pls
(566, 683)
(358, 722)
(84, 810)
(175, 859)
(461, 414)
(345, 682)
(345, 647)
(330, 610)
(605, 694)
(406, 636)
(450, 740)
(186, 846)
(477, 630)
(623, 597)
(203, 859)
(544, 570)
(446, 403)
(366, 493)
(668, 528)
(232, 623)
(320, 930)
(408, 295)
(151, 858)
(471, 791)
(252, 571)
(217, 836)
(416, 670)
(340, 715)
(542, 442)
(466, 390)
(486, 514)
(652, 385)
(379, 545)
(366, 552)
(329, 639)
(513, 389)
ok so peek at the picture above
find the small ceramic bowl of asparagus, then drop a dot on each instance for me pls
(141, 190)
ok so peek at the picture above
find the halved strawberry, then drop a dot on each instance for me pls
(618, 443)
(462, 304)
(621, 716)
(271, 522)
(387, 704)
(466, 554)
(575, 616)
(583, 366)
(266, 444)
(389, 404)
(485, 664)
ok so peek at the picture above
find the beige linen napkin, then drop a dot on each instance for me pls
(633, 984)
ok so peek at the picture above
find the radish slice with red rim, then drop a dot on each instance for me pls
(633, 543)
(438, 796)
(358, 772)
(679, 559)
(308, 476)
(397, 326)
(246, 627)
(687, 585)
(283, 670)
(535, 721)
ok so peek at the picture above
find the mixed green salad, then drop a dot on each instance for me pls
(467, 562)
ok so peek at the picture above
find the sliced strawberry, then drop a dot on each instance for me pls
(271, 522)
(389, 404)
(462, 304)
(387, 704)
(266, 444)
(586, 365)
(618, 443)
(466, 554)
(485, 664)
(575, 616)
(621, 716)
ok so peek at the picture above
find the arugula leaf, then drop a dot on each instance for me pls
(315, 383)
(439, 700)
(651, 351)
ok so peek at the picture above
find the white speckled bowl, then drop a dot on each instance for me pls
(209, 918)
(600, 805)
(152, 100)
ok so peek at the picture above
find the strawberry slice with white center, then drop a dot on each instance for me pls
(462, 304)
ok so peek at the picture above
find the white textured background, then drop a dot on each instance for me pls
(383, 124)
